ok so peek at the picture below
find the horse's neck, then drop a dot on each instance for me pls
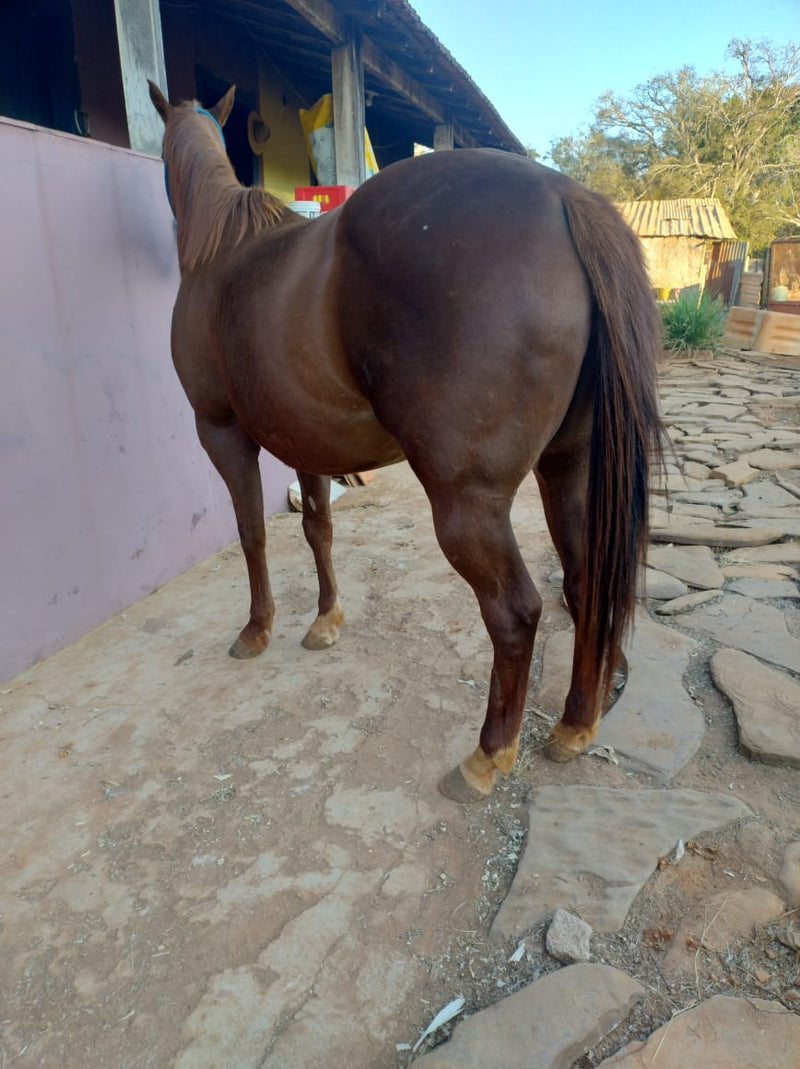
(214, 212)
(207, 176)
(204, 195)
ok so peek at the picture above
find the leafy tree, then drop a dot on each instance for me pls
(731, 136)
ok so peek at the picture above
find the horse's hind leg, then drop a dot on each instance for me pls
(318, 529)
(562, 474)
(474, 531)
(235, 456)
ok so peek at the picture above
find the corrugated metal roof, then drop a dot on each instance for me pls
(702, 217)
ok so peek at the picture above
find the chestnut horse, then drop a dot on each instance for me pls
(470, 311)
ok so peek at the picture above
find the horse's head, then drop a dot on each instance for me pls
(219, 112)
(212, 209)
(175, 118)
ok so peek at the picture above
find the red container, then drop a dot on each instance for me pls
(328, 196)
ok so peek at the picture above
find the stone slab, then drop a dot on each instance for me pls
(737, 473)
(760, 571)
(655, 727)
(789, 874)
(687, 602)
(717, 536)
(789, 485)
(719, 498)
(703, 456)
(695, 565)
(697, 512)
(716, 409)
(764, 494)
(789, 523)
(772, 459)
(777, 514)
(767, 706)
(659, 586)
(748, 625)
(715, 925)
(764, 589)
(591, 849)
(547, 1025)
(780, 553)
(721, 1033)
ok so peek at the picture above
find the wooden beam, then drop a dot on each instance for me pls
(442, 136)
(323, 17)
(327, 20)
(141, 56)
(347, 72)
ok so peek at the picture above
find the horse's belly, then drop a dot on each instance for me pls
(327, 446)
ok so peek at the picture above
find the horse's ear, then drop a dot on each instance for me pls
(160, 102)
(224, 107)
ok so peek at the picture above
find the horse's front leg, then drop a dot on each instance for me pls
(318, 529)
(235, 456)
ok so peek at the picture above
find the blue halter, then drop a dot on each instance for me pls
(200, 111)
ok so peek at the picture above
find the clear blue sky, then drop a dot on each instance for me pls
(544, 63)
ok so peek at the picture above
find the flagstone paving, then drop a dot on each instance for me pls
(208, 862)
(766, 703)
(590, 850)
(546, 1025)
(740, 599)
(723, 1033)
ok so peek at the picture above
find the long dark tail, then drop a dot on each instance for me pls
(626, 436)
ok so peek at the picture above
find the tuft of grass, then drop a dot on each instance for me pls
(693, 323)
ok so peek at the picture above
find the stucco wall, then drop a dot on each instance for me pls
(675, 262)
(105, 492)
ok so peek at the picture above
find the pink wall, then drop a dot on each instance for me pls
(105, 492)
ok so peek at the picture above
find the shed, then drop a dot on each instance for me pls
(679, 238)
(107, 492)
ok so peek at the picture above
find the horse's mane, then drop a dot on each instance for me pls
(212, 208)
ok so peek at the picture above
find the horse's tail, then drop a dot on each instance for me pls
(626, 434)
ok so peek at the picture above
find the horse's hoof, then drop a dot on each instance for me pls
(618, 685)
(324, 632)
(557, 751)
(457, 789)
(243, 651)
(320, 640)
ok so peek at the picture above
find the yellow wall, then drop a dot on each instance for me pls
(285, 161)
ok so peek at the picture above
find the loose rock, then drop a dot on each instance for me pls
(568, 938)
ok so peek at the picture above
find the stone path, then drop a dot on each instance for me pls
(212, 863)
(719, 569)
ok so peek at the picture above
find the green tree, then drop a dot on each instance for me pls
(731, 136)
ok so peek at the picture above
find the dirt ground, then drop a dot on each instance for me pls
(208, 862)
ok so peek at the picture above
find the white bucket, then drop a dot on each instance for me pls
(309, 208)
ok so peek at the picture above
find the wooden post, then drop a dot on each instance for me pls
(347, 70)
(443, 136)
(141, 56)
